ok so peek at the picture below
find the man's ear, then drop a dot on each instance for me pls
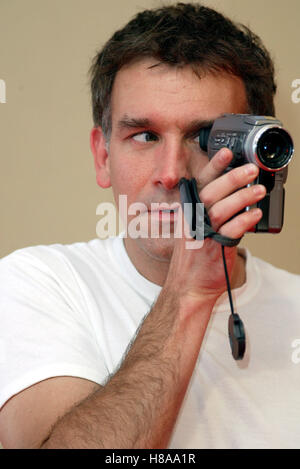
(101, 161)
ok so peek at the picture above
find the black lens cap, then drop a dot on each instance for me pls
(237, 337)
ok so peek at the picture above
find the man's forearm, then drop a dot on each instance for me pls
(138, 407)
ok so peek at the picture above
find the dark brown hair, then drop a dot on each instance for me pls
(185, 34)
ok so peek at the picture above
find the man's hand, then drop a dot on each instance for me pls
(199, 273)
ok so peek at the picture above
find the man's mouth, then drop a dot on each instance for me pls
(164, 214)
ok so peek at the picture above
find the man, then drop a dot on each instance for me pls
(122, 343)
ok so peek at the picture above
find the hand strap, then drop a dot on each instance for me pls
(189, 195)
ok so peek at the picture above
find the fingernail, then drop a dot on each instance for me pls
(259, 190)
(256, 212)
(250, 169)
(225, 155)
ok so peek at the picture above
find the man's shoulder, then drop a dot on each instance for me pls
(57, 264)
(94, 250)
(269, 266)
(282, 279)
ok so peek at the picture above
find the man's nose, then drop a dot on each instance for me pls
(171, 166)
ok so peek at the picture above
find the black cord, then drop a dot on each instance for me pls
(236, 329)
(227, 280)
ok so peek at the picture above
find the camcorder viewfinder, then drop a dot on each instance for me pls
(261, 140)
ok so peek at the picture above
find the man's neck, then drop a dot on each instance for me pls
(156, 270)
(152, 268)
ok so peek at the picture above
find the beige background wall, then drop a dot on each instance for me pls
(48, 191)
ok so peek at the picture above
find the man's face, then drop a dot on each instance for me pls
(157, 114)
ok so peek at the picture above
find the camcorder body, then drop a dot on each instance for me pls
(261, 140)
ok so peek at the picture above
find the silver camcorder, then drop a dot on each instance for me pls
(260, 140)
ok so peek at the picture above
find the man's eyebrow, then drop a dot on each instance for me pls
(195, 126)
(190, 129)
(132, 122)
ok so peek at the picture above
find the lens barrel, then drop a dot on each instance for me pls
(274, 148)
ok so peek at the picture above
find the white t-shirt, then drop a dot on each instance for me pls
(72, 310)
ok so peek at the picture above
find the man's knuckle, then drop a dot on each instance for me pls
(205, 197)
(246, 197)
(234, 178)
(215, 216)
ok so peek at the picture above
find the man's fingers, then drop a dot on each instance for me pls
(225, 209)
(228, 183)
(215, 167)
(242, 223)
(226, 194)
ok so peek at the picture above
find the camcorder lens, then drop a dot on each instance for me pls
(275, 148)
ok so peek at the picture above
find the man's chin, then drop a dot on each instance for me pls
(159, 249)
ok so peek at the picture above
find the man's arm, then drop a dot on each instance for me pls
(139, 405)
(27, 417)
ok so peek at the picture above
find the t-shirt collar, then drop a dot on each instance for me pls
(151, 290)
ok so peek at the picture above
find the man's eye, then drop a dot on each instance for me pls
(197, 138)
(145, 137)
